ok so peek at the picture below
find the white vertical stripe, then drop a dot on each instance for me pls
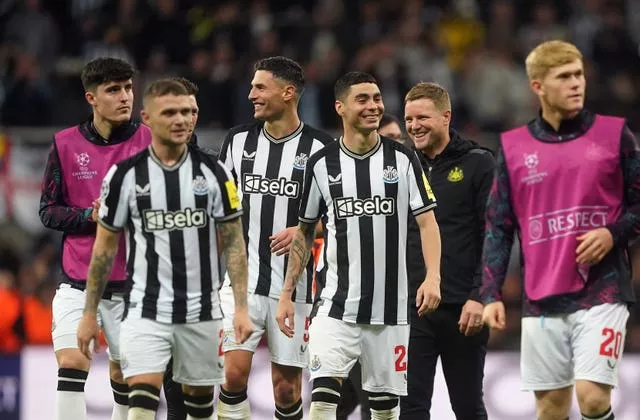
(190, 239)
(255, 208)
(380, 245)
(349, 189)
(281, 210)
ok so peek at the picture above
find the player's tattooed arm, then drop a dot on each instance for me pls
(234, 249)
(299, 255)
(104, 252)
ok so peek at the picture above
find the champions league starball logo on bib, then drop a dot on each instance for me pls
(83, 173)
(531, 162)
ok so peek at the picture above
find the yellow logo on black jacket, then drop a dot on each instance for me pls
(455, 175)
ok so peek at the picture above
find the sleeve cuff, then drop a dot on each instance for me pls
(229, 217)
(108, 226)
(305, 220)
(424, 209)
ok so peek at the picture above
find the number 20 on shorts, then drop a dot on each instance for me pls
(611, 344)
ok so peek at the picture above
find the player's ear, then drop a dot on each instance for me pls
(536, 87)
(446, 117)
(144, 115)
(339, 107)
(289, 93)
(90, 96)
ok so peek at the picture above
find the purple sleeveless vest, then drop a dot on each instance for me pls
(84, 166)
(559, 191)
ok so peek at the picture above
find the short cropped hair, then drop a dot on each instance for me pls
(105, 70)
(283, 68)
(344, 83)
(192, 88)
(164, 87)
(432, 91)
(549, 55)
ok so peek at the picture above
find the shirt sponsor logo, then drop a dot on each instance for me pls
(157, 220)
(257, 184)
(354, 207)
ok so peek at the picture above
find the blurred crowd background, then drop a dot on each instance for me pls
(475, 48)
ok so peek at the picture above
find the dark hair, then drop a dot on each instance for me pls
(192, 88)
(283, 68)
(163, 87)
(344, 83)
(105, 70)
(388, 119)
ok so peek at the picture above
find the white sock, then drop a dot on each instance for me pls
(70, 403)
(120, 412)
(137, 413)
(321, 410)
(233, 405)
(385, 414)
(70, 406)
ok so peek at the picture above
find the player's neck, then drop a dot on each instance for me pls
(168, 155)
(554, 116)
(103, 126)
(437, 149)
(282, 127)
(358, 142)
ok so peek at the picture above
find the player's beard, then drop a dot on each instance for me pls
(436, 138)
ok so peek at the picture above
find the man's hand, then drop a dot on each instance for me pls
(594, 245)
(88, 332)
(470, 322)
(281, 241)
(242, 325)
(95, 205)
(285, 315)
(428, 297)
(494, 315)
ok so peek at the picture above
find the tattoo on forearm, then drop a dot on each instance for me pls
(99, 270)
(233, 246)
(299, 255)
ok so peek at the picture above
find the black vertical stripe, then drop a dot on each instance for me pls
(177, 254)
(152, 287)
(391, 238)
(297, 175)
(246, 167)
(204, 236)
(267, 210)
(367, 244)
(339, 299)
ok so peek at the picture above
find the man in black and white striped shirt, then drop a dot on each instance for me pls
(269, 159)
(173, 200)
(365, 185)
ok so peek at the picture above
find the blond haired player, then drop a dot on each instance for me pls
(569, 183)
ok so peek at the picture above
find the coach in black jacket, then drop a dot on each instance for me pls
(461, 173)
